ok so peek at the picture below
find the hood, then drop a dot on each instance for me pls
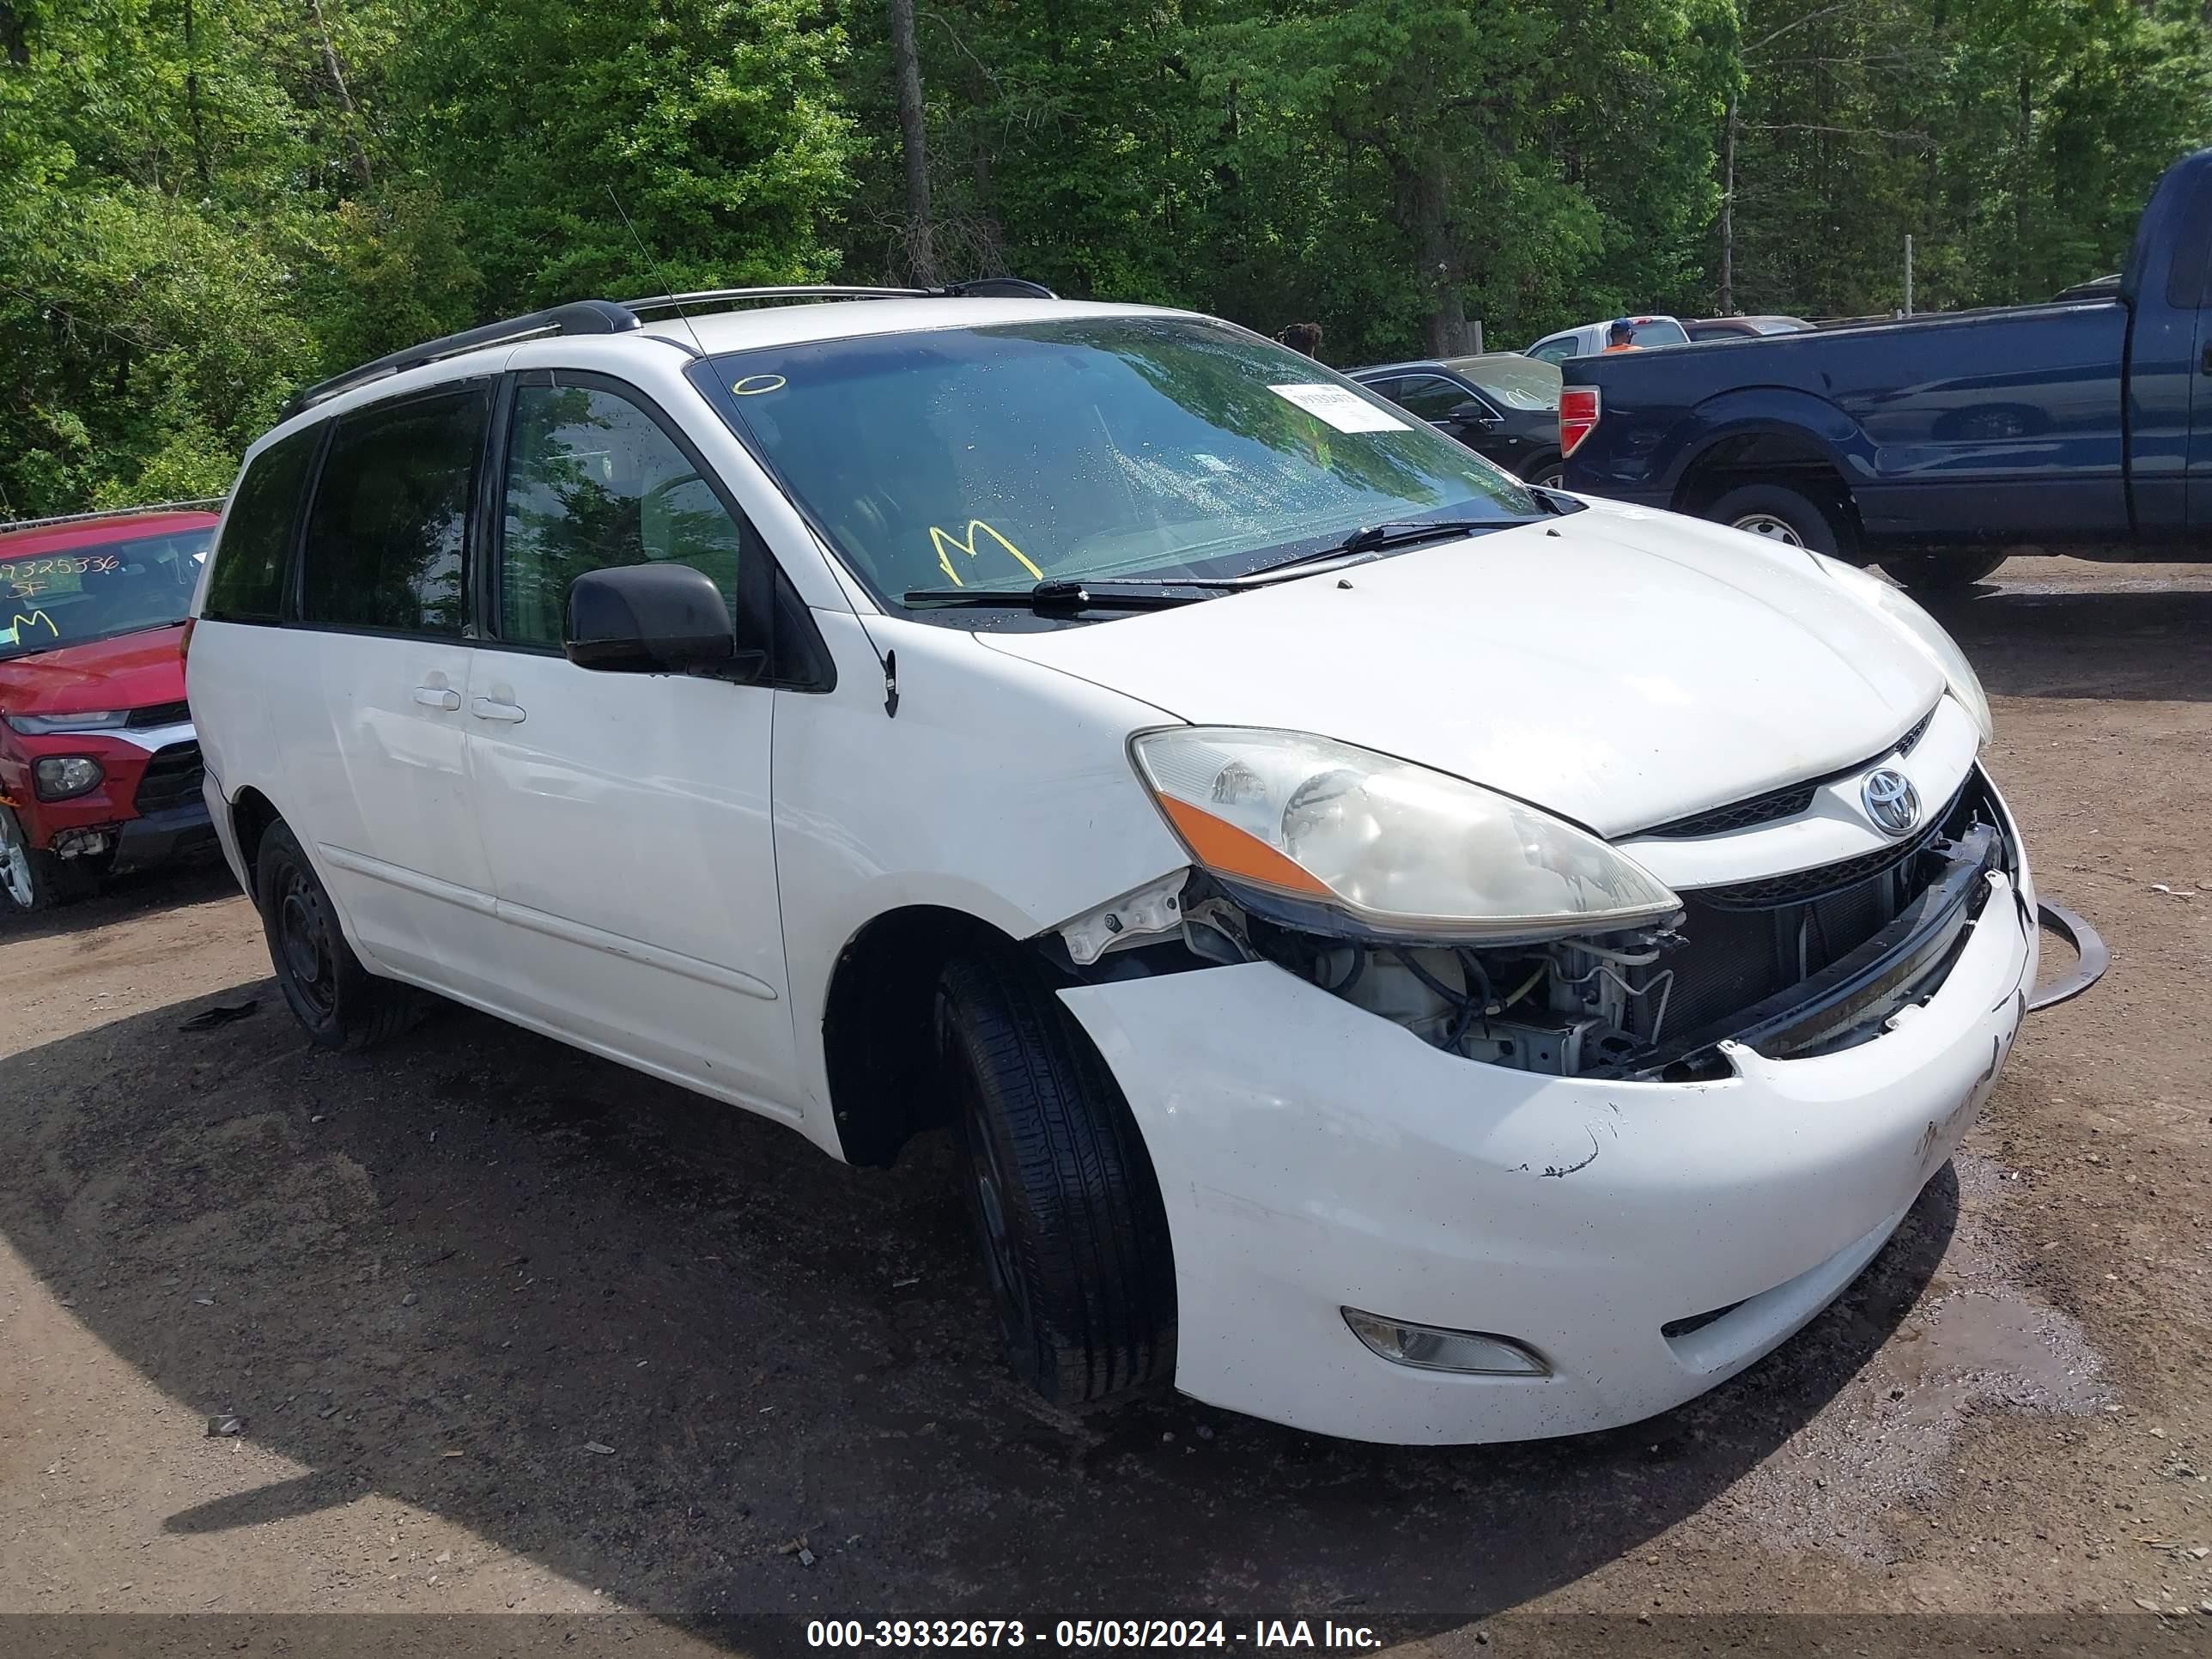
(129, 672)
(1632, 668)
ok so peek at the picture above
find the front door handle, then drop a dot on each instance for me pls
(438, 696)
(485, 709)
(2204, 364)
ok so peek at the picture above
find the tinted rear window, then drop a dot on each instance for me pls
(248, 582)
(385, 532)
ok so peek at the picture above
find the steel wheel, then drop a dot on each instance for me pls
(304, 926)
(1766, 525)
(15, 876)
(986, 1188)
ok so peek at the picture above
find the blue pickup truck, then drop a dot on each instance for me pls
(1936, 445)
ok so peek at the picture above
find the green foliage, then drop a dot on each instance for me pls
(204, 204)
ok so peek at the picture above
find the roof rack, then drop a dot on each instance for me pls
(620, 316)
(202, 504)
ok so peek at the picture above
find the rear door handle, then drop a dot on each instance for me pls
(485, 709)
(438, 696)
(2204, 364)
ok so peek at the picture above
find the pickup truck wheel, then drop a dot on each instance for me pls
(31, 878)
(339, 1002)
(1063, 1199)
(1941, 573)
(1783, 514)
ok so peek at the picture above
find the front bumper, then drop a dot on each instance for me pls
(1312, 1156)
(165, 837)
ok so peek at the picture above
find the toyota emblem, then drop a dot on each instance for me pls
(1891, 801)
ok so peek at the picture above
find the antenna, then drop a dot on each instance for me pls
(888, 661)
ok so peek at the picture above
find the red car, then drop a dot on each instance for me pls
(100, 768)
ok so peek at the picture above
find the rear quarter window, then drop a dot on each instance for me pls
(248, 583)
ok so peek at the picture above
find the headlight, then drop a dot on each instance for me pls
(40, 725)
(58, 777)
(1927, 633)
(1406, 851)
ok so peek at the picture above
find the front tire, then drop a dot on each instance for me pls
(338, 1003)
(1784, 514)
(1940, 573)
(32, 880)
(1547, 472)
(1062, 1196)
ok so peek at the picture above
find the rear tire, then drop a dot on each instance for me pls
(32, 880)
(1063, 1198)
(1940, 573)
(1784, 514)
(1547, 472)
(338, 1003)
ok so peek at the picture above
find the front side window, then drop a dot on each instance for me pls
(1658, 331)
(1087, 449)
(97, 591)
(1432, 397)
(1556, 351)
(386, 532)
(593, 481)
(248, 584)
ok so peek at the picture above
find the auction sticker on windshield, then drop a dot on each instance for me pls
(1346, 411)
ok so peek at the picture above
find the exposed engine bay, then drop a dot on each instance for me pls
(1802, 963)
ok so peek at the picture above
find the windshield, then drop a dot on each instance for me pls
(48, 600)
(1658, 331)
(1516, 381)
(1089, 448)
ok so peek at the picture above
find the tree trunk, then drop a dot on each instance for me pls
(345, 99)
(1446, 326)
(14, 42)
(913, 139)
(192, 95)
(2023, 171)
(1728, 213)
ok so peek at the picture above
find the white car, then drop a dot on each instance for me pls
(1643, 332)
(1407, 956)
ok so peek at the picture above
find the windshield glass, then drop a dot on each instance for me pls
(1516, 381)
(48, 600)
(1089, 448)
(1658, 331)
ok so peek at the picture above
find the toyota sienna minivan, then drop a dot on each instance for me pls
(1405, 954)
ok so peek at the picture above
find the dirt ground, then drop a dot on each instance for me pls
(511, 1328)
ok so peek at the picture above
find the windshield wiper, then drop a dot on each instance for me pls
(1372, 537)
(1057, 595)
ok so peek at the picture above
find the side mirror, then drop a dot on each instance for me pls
(649, 619)
(1471, 413)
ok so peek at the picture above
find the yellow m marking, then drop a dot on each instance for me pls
(942, 543)
(17, 622)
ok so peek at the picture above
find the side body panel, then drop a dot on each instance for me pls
(1002, 789)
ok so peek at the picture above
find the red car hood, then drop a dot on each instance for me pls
(129, 672)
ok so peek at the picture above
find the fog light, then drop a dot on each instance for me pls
(1426, 1348)
(60, 776)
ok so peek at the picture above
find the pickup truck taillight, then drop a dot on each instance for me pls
(1577, 417)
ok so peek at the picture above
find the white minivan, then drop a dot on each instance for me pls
(1405, 954)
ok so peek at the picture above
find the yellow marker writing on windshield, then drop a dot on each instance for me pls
(12, 634)
(941, 543)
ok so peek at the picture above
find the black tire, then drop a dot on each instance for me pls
(1064, 1200)
(32, 880)
(1788, 515)
(1547, 471)
(338, 1003)
(1940, 573)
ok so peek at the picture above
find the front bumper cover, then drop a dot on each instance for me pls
(1312, 1156)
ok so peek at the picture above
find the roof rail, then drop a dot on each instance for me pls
(578, 317)
(620, 316)
(201, 504)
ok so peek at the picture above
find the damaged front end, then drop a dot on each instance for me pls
(1795, 965)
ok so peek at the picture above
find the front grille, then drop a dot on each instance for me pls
(1776, 804)
(1802, 886)
(1745, 942)
(160, 713)
(172, 779)
(1770, 808)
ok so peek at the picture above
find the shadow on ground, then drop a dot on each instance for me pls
(477, 1241)
(2120, 642)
